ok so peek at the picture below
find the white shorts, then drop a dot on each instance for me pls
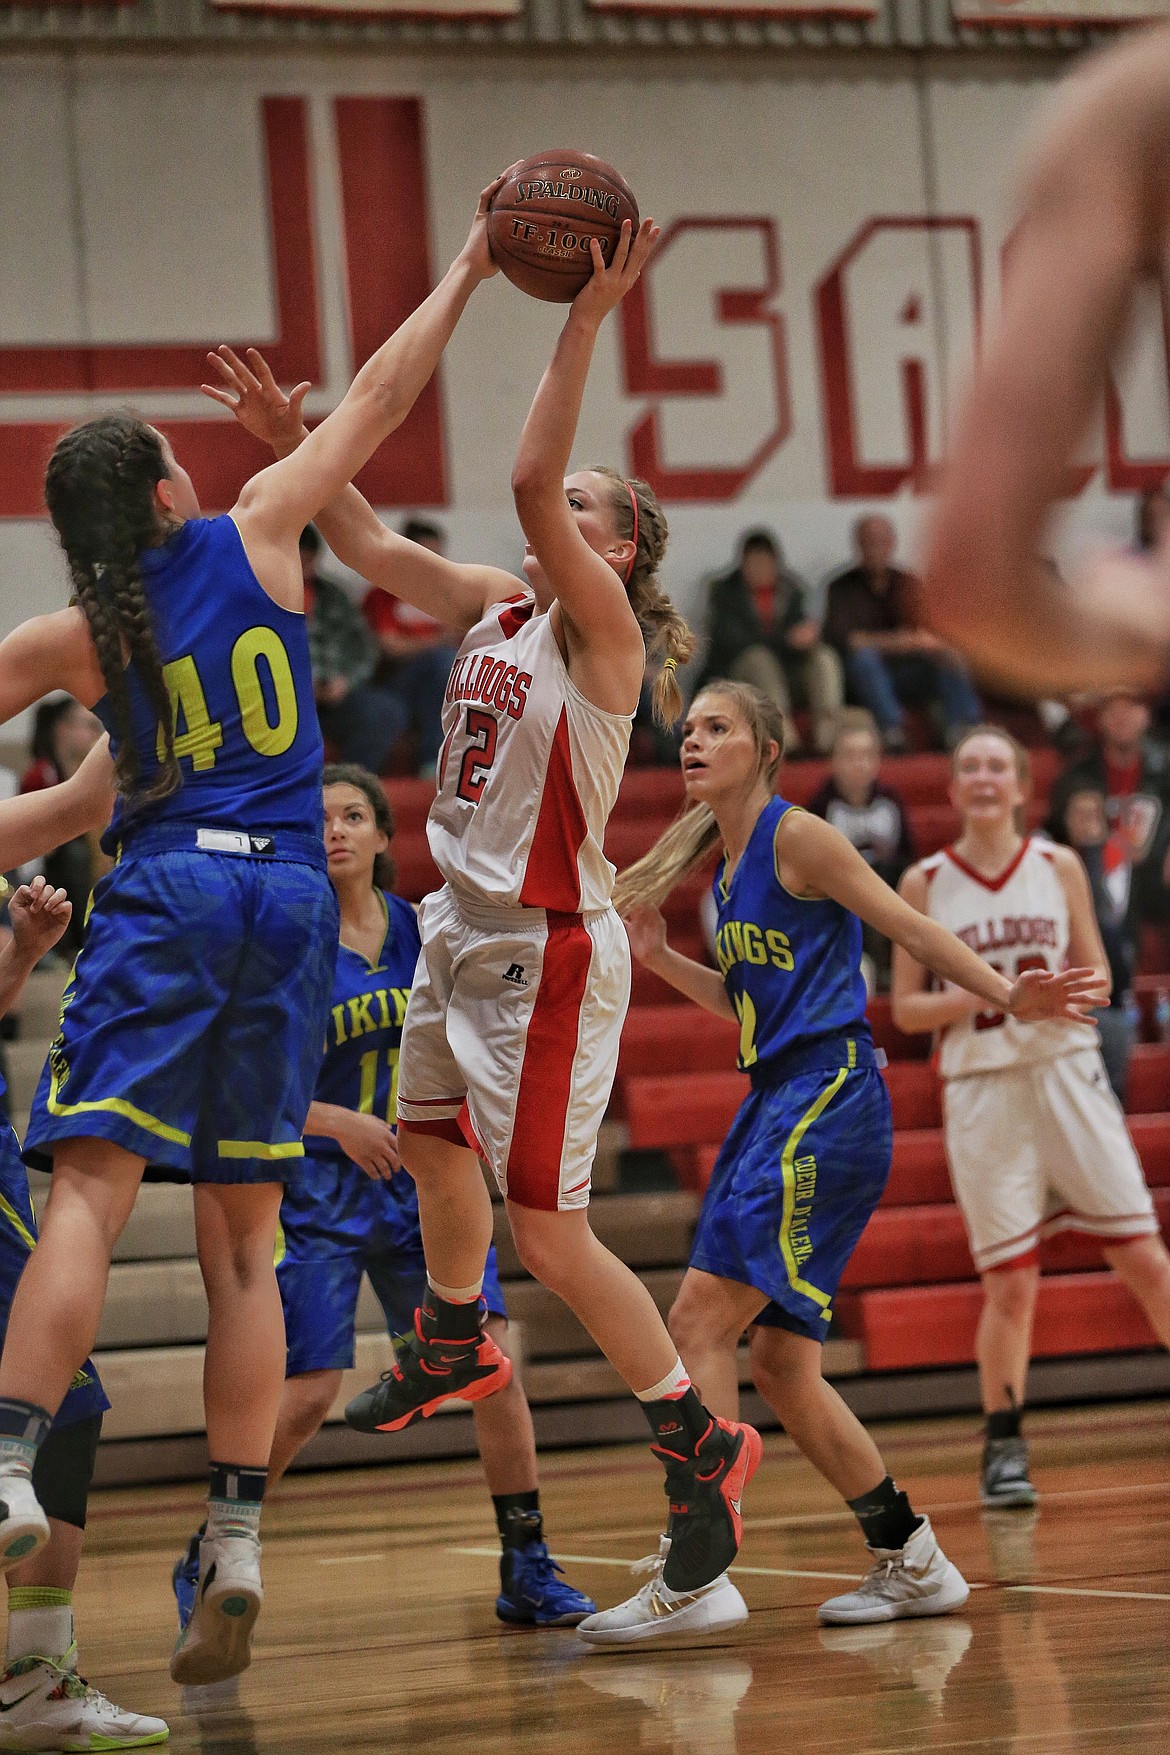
(1039, 1149)
(518, 1013)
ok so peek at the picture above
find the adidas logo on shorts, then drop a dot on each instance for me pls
(515, 974)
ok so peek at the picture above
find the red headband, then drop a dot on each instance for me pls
(634, 556)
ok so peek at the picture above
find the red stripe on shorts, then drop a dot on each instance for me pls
(551, 879)
(542, 1104)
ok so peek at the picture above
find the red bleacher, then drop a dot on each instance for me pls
(910, 1294)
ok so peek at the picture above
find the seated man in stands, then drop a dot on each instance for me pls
(417, 653)
(1105, 853)
(891, 661)
(759, 631)
(871, 816)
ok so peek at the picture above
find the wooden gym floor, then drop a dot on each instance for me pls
(379, 1632)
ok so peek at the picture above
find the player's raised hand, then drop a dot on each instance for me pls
(255, 398)
(477, 250)
(646, 930)
(372, 1145)
(38, 915)
(611, 282)
(1073, 994)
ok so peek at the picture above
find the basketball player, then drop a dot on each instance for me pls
(523, 982)
(191, 1032)
(357, 1212)
(1035, 1138)
(808, 1154)
(1093, 230)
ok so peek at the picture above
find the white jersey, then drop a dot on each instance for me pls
(1015, 922)
(529, 771)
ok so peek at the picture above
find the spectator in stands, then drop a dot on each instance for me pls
(890, 660)
(417, 653)
(868, 814)
(1132, 770)
(1105, 854)
(759, 631)
(64, 732)
(361, 721)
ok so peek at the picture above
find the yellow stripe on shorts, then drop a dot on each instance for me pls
(788, 1171)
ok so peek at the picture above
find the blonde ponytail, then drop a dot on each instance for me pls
(638, 515)
(687, 844)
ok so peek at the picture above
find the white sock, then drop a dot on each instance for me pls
(671, 1388)
(456, 1294)
(43, 1631)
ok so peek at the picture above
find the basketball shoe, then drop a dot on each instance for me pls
(426, 1373)
(1004, 1483)
(24, 1528)
(657, 1612)
(45, 1704)
(531, 1591)
(915, 1580)
(217, 1639)
(704, 1488)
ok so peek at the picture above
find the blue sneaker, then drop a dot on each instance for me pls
(531, 1592)
(185, 1579)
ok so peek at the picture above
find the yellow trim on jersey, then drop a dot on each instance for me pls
(258, 1149)
(117, 1106)
(780, 821)
(788, 1171)
(280, 1247)
(17, 1223)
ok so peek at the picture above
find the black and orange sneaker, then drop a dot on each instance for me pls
(705, 1490)
(426, 1373)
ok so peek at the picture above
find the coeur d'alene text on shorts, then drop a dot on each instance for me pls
(808, 1154)
(191, 1027)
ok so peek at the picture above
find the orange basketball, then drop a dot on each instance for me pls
(542, 219)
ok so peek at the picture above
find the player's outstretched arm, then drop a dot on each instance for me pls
(48, 652)
(276, 504)
(37, 822)
(1093, 224)
(454, 594)
(814, 859)
(592, 598)
(646, 930)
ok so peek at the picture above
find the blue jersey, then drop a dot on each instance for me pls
(237, 668)
(360, 1068)
(792, 968)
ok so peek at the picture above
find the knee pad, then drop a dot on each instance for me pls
(63, 1470)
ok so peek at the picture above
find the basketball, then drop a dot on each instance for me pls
(543, 218)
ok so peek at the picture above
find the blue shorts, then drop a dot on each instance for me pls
(795, 1182)
(364, 1226)
(191, 1028)
(85, 1396)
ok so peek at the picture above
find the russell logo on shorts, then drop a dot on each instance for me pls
(514, 974)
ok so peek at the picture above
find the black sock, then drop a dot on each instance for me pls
(518, 1518)
(1004, 1423)
(444, 1321)
(678, 1423)
(885, 1515)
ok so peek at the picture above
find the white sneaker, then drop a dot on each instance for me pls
(657, 1612)
(217, 1640)
(24, 1528)
(47, 1705)
(915, 1580)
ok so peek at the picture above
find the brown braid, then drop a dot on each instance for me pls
(99, 488)
(668, 636)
